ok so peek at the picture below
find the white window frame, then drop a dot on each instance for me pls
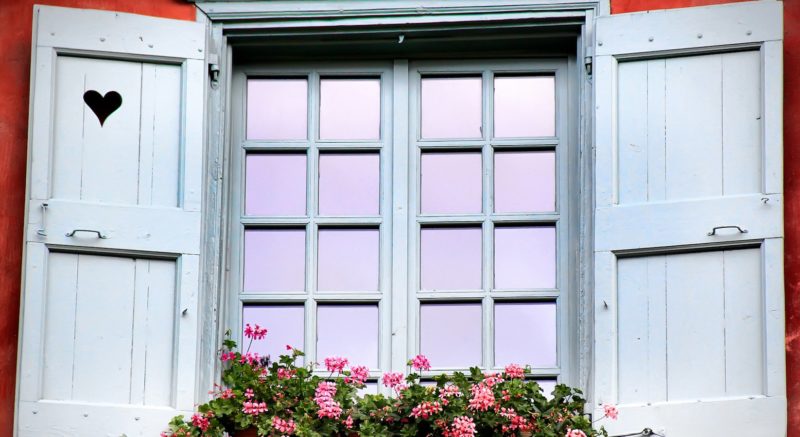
(313, 146)
(237, 22)
(559, 143)
(399, 300)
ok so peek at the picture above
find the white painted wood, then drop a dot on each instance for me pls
(675, 127)
(689, 326)
(117, 32)
(642, 333)
(742, 146)
(681, 223)
(400, 212)
(772, 119)
(123, 306)
(723, 25)
(744, 321)
(633, 146)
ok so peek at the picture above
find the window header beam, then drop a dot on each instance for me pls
(284, 14)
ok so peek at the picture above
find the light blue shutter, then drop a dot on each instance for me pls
(689, 319)
(109, 320)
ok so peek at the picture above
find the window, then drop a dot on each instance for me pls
(478, 213)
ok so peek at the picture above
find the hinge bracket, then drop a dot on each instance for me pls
(587, 62)
(213, 70)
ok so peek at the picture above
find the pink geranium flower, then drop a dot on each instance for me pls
(284, 426)
(323, 397)
(201, 422)
(575, 433)
(482, 397)
(358, 375)
(255, 332)
(254, 408)
(515, 371)
(463, 426)
(611, 411)
(335, 364)
(420, 362)
(426, 409)
(392, 379)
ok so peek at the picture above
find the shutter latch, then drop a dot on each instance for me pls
(587, 62)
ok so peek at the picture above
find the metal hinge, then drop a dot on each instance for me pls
(587, 62)
(213, 69)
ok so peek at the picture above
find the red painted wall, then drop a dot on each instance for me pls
(791, 179)
(16, 17)
(15, 38)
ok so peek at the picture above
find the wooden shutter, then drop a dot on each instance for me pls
(689, 320)
(109, 318)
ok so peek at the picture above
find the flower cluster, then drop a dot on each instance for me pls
(282, 398)
(254, 408)
(254, 332)
(392, 379)
(287, 427)
(420, 362)
(426, 409)
(515, 371)
(482, 397)
(335, 364)
(463, 426)
(324, 398)
(358, 375)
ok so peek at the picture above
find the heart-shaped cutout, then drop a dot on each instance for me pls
(102, 106)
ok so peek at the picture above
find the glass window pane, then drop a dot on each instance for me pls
(285, 324)
(524, 181)
(349, 331)
(348, 259)
(524, 106)
(350, 109)
(274, 260)
(349, 183)
(275, 184)
(277, 109)
(370, 388)
(547, 385)
(450, 334)
(451, 107)
(525, 257)
(525, 334)
(451, 183)
(451, 258)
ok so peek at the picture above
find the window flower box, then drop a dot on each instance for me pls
(260, 397)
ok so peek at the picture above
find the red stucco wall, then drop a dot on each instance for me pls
(15, 38)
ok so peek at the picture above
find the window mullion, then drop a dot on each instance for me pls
(400, 216)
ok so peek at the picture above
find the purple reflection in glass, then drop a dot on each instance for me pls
(277, 109)
(524, 181)
(450, 334)
(285, 325)
(349, 183)
(524, 257)
(274, 260)
(348, 259)
(451, 183)
(275, 184)
(524, 106)
(451, 258)
(451, 107)
(525, 334)
(350, 109)
(349, 331)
